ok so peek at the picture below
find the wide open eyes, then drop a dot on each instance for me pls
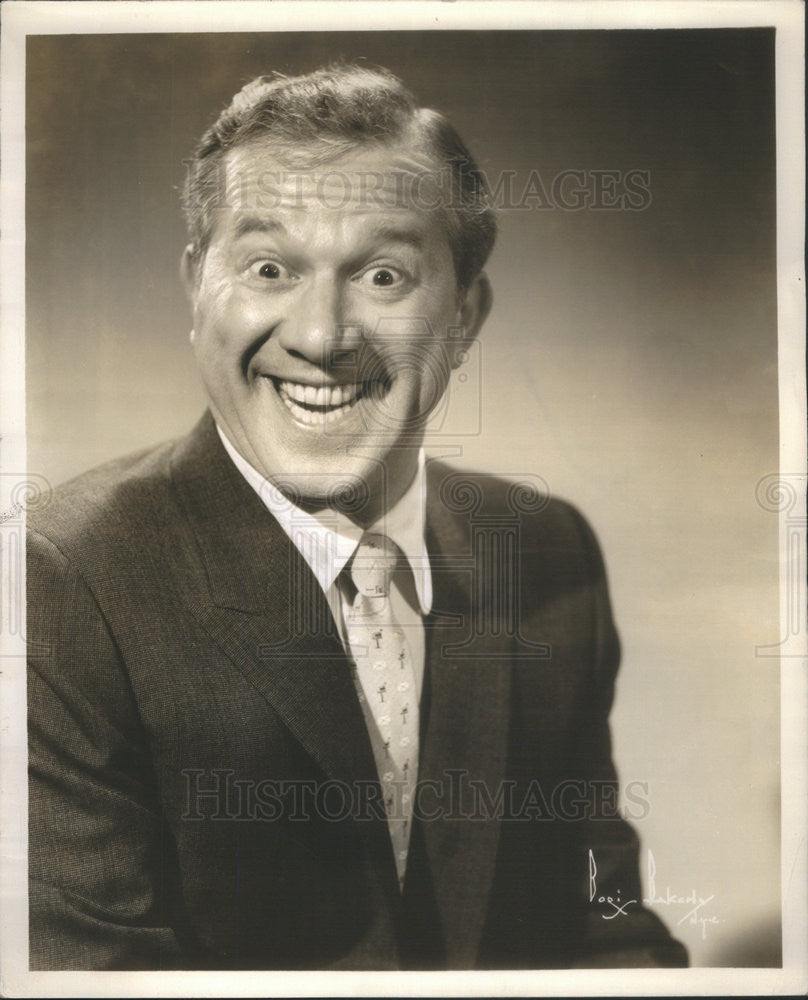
(382, 276)
(270, 270)
(378, 277)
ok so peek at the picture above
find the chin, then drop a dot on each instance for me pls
(356, 488)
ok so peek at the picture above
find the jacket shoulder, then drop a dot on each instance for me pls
(544, 520)
(117, 500)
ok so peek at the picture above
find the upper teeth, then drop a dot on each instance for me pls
(324, 395)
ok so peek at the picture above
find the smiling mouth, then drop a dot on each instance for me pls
(314, 405)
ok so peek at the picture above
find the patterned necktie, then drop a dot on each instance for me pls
(388, 691)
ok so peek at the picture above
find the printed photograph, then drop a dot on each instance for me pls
(403, 503)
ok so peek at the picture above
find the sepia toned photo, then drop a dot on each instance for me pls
(403, 503)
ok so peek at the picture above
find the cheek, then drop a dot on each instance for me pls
(423, 375)
(211, 344)
(226, 320)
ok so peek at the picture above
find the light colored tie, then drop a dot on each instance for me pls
(387, 686)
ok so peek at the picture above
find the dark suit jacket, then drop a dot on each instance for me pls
(203, 792)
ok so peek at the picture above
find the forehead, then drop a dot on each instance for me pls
(362, 185)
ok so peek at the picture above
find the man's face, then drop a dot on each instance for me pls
(321, 311)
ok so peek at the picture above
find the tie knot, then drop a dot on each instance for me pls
(372, 565)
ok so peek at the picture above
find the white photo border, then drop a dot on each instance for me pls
(20, 19)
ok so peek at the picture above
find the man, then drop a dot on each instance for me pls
(300, 698)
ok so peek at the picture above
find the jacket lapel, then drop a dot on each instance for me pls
(466, 739)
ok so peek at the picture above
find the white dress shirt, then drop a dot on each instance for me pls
(328, 539)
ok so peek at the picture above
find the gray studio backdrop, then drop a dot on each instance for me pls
(630, 359)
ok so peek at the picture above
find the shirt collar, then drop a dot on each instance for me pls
(328, 539)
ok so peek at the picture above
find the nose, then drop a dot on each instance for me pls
(315, 327)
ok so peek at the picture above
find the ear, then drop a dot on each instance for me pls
(189, 272)
(473, 310)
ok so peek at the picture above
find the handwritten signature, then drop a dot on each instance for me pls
(695, 916)
(616, 901)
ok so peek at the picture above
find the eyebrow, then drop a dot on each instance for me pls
(393, 234)
(247, 224)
